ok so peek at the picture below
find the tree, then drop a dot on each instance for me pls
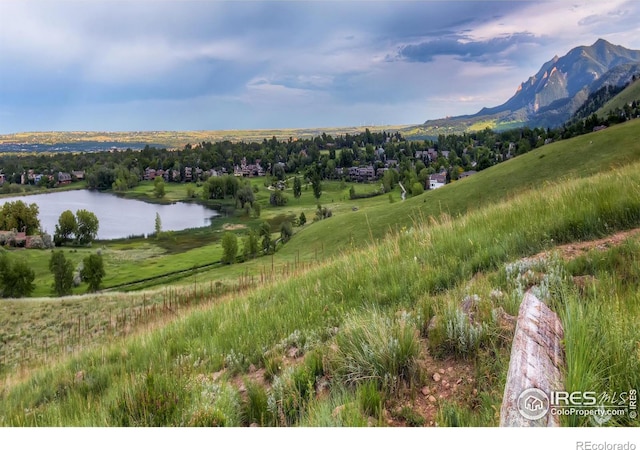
(417, 189)
(93, 271)
(158, 224)
(62, 271)
(66, 228)
(250, 246)
(158, 187)
(16, 278)
(277, 198)
(316, 184)
(286, 231)
(229, 248)
(265, 232)
(257, 209)
(17, 215)
(88, 225)
(302, 219)
(245, 195)
(297, 187)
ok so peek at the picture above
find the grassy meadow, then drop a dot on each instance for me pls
(357, 320)
(345, 342)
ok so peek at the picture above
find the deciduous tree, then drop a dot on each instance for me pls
(66, 228)
(16, 278)
(62, 271)
(88, 225)
(17, 215)
(93, 271)
(229, 248)
(297, 187)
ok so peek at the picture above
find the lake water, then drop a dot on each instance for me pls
(118, 217)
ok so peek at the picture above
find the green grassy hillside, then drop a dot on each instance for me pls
(625, 97)
(356, 339)
(356, 330)
(579, 157)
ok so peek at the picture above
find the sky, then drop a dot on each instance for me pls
(127, 65)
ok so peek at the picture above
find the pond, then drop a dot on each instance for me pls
(118, 217)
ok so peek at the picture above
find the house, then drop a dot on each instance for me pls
(362, 173)
(391, 163)
(437, 180)
(78, 174)
(466, 174)
(188, 173)
(422, 154)
(64, 178)
(149, 174)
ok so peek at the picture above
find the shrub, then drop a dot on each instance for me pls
(219, 407)
(323, 213)
(277, 198)
(289, 394)
(370, 399)
(372, 347)
(455, 333)
(411, 418)
(417, 189)
(286, 231)
(255, 407)
(152, 402)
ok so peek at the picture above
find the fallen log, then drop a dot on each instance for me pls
(535, 367)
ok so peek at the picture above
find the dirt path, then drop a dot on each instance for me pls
(576, 249)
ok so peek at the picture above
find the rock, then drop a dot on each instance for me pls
(254, 425)
(432, 399)
(459, 381)
(252, 368)
(441, 371)
(426, 391)
(449, 369)
(436, 377)
(293, 352)
(79, 376)
(445, 384)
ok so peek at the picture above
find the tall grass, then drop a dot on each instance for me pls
(372, 347)
(349, 302)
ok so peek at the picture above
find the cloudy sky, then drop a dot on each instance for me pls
(124, 65)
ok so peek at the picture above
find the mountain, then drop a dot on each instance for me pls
(552, 95)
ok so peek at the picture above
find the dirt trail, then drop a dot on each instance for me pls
(576, 249)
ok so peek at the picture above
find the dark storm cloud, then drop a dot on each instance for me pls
(458, 46)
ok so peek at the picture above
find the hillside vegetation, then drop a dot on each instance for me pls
(355, 339)
(627, 96)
